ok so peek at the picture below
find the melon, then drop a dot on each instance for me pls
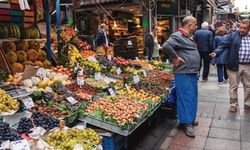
(9, 46)
(32, 55)
(17, 67)
(34, 44)
(41, 55)
(22, 45)
(12, 57)
(38, 63)
(21, 56)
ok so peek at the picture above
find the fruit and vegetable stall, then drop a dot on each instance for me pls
(114, 94)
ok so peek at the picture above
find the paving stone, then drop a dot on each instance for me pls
(221, 144)
(226, 124)
(245, 145)
(167, 141)
(206, 107)
(204, 122)
(224, 133)
(201, 131)
(245, 131)
(182, 139)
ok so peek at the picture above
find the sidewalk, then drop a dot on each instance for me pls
(218, 128)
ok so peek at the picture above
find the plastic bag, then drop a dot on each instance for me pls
(172, 97)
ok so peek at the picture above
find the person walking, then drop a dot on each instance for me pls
(238, 45)
(204, 40)
(221, 60)
(149, 45)
(186, 60)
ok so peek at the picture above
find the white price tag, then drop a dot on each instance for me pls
(92, 59)
(41, 73)
(98, 76)
(118, 71)
(136, 58)
(109, 57)
(111, 91)
(136, 79)
(145, 73)
(127, 87)
(28, 102)
(80, 72)
(80, 80)
(72, 100)
(19, 145)
(130, 43)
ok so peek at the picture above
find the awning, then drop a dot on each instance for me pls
(91, 2)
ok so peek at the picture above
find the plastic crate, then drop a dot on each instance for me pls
(4, 11)
(16, 19)
(113, 142)
(16, 13)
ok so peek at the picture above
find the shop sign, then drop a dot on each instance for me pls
(167, 7)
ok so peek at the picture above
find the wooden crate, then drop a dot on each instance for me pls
(5, 18)
(29, 13)
(16, 13)
(14, 1)
(5, 5)
(5, 12)
(27, 25)
(28, 19)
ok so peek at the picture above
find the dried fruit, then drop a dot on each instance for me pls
(22, 45)
(38, 63)
(9, 46)
(41, 55)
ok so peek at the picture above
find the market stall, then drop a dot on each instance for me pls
(44, 103)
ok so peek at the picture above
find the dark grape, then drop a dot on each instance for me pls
(25, 125)
(44, 121)
(6, 133)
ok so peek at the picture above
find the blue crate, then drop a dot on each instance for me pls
(113, 142)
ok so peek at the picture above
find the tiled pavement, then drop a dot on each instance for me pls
(218, 128)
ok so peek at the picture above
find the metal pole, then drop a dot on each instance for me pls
(150, 17)
(47, 19)
(58, 23)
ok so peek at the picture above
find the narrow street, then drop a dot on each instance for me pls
(218, 128)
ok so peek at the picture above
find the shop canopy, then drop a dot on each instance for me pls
(91, 2)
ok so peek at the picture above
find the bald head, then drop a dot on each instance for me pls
(188, 20)
(189, 23)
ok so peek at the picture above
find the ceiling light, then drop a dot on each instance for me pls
(130, 9)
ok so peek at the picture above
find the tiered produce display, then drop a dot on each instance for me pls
(110, 93)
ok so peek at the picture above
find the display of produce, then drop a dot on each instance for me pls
(45, 121)
(9, 31)
(65, 71)
(67, 139)
(25, 125)
(161, 74)
(118, 110)
(8, 105)
(48, 110)
(100, 84)
(149, 88)
(138, 94)
(6, 133)
(30, 33)
(121, 61)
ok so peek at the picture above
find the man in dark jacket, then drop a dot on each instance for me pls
(101, 37)
(204, 40)
(149, 45)
(238, 45)
(186, 60)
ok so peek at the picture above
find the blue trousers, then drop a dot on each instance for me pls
(221, 72)
(187, 97)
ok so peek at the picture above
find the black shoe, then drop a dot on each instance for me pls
(189, 131)
(195, 123)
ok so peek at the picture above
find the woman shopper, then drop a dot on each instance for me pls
(221, 60)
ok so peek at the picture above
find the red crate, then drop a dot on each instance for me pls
(4, 11)
(5, 18)
(14, 7)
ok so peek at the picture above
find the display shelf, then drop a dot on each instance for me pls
(114, 128)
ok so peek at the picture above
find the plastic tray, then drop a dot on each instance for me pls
(114, 128)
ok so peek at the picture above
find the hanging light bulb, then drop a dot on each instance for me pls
(115, 25)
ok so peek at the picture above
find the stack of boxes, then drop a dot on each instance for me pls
(10, 12)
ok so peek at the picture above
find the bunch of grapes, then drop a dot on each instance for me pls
(44, 121)
(6, 133)
(25, 125)
(105, 62)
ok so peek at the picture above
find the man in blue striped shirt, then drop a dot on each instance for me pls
(238, 44)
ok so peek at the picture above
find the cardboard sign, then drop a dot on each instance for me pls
(111, 91)
(72, 100)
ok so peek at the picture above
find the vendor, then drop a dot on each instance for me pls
(101, 37)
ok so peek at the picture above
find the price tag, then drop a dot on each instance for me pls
(127, 87)
(72, 100)
(111, 91)
(118, 71)
(136, 79)
(145, 73)
(136, 58)
(80, 72)
(98, 76)
(28, 102)
(130, 43)
(92, 59)
(41, 73)
(20, 145)
(80, 81)
(109, 57)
